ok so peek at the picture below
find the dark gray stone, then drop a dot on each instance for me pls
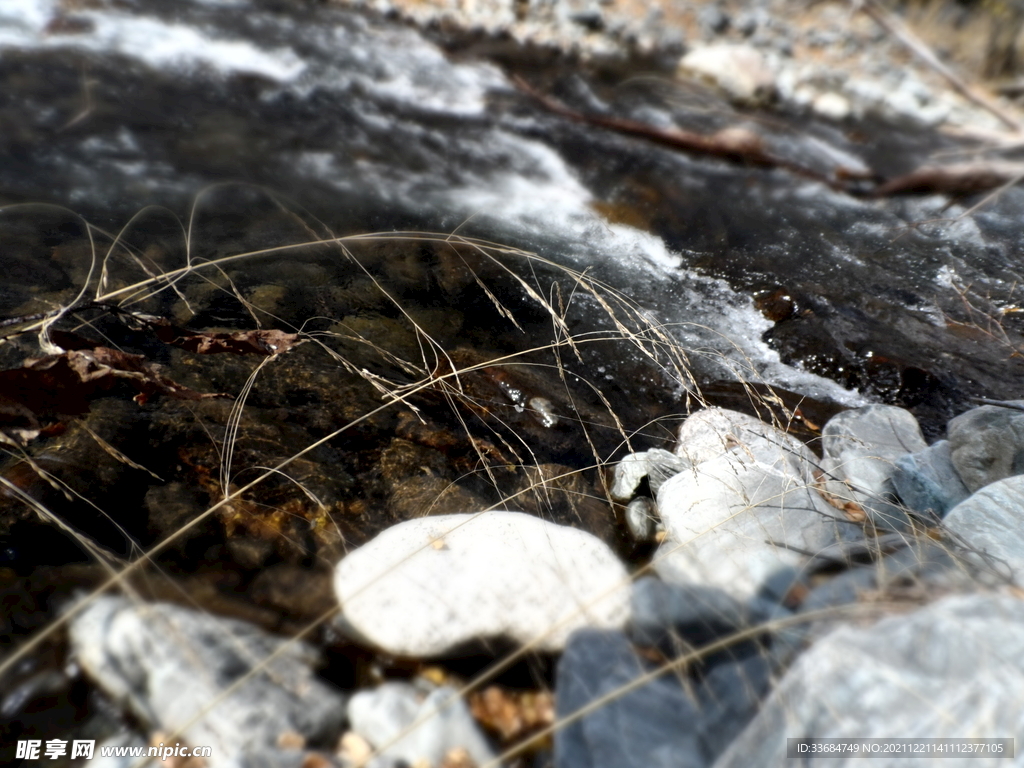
(713, 19)
(664, 614)
(665, 722)
(653, 726)
(987, 444)
(927, 482)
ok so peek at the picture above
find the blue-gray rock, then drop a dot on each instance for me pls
(169, 665)
(987, 444)
(860, 448)
(991, 523)
(927, 482)
(653, 726)
(953, 667)
(437, 720)
(663, 723)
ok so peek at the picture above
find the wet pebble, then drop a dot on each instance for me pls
(411, 724)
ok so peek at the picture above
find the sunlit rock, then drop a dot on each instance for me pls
(426, 586)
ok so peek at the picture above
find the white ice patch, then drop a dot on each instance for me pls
(157, 43)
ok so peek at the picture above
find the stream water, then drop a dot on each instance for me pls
(210, 128)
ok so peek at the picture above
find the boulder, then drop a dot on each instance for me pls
(718, 432)
(952, 668)
(661, 722)
(169, 666)
(860, 448)
(427, 586)
(991, 523)
(735, 525)
(987, 444)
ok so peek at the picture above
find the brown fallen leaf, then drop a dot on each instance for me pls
(65, 384)
(255, 342)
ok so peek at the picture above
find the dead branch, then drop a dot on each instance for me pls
(734, 144)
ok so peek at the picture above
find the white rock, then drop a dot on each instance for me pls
(656, 465)
(719, 432)
(722, 517)
(739, 70)
(991, 521)
(169, 664)
(627, 476)
(860, 449)
(832, 106)
(428, 585)
(953, 668)
(409, 726)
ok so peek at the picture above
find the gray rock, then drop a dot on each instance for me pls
(987, 444)
(675, 618)
(713, 19)
(437, 722)
(662, 466)
(426, 586)
(927, 481)
(733, 525)
(860, 448)
(991, 522)
(717, 432)
(953, 667)
(169, 665)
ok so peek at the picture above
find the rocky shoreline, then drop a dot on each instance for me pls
(784, 589)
